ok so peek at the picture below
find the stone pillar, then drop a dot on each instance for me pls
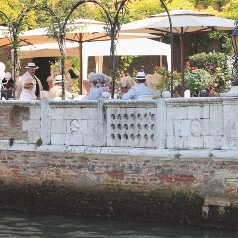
(102, 123)
(45, 122)
(161, 124)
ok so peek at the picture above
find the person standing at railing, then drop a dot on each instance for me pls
(37, 88)
(139, 90)
(99, 86)
(26, 93)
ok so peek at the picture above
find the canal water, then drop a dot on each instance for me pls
(15, 224)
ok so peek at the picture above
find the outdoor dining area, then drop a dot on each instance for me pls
(84, 38)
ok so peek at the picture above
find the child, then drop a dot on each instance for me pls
(98, 82)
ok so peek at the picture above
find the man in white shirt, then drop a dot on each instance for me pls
(140, 89)
(37, 88)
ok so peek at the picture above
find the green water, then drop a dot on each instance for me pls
(14, 224)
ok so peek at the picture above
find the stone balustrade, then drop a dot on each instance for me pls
(174, 123)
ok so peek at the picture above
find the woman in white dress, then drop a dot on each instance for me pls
(27, 93)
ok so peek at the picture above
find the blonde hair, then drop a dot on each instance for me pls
(28, 86)
(28, 83)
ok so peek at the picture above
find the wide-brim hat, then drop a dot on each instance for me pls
(106, 79)
(94, 77)
(31, 66)
(98, 77)
(58, 79)
(140, 76)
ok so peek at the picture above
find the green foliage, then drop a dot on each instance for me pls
(197, 79)
(39, 142)
(230, 10)
(178, 4)
(116, 12)
(11, 142)
(142, 9)
(208, 60)
(165, 79)
(214, 63)
(125, 62)
(61, 10)
(21, 13)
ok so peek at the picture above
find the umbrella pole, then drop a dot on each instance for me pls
(182, 61)
(15, 69)
(80, 83)
(160, 57)
(172, 59)
(171, 46)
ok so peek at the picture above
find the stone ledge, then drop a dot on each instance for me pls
(162, 154)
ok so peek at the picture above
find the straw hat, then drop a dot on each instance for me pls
(140, 76)
(58, 79)
(31, 66)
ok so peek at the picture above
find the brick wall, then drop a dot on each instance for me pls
(213, 178)
(11, 128)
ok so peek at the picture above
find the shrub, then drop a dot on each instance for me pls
(196, 80)
(209, 61)
(214, 63)
(165, 81)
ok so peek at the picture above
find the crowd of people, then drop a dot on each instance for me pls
(29, 87)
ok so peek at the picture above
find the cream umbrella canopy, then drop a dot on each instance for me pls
(80, 31)
(183, 22)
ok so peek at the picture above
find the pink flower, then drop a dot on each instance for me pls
(192, 68)
(188, 63)
(211, 67)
